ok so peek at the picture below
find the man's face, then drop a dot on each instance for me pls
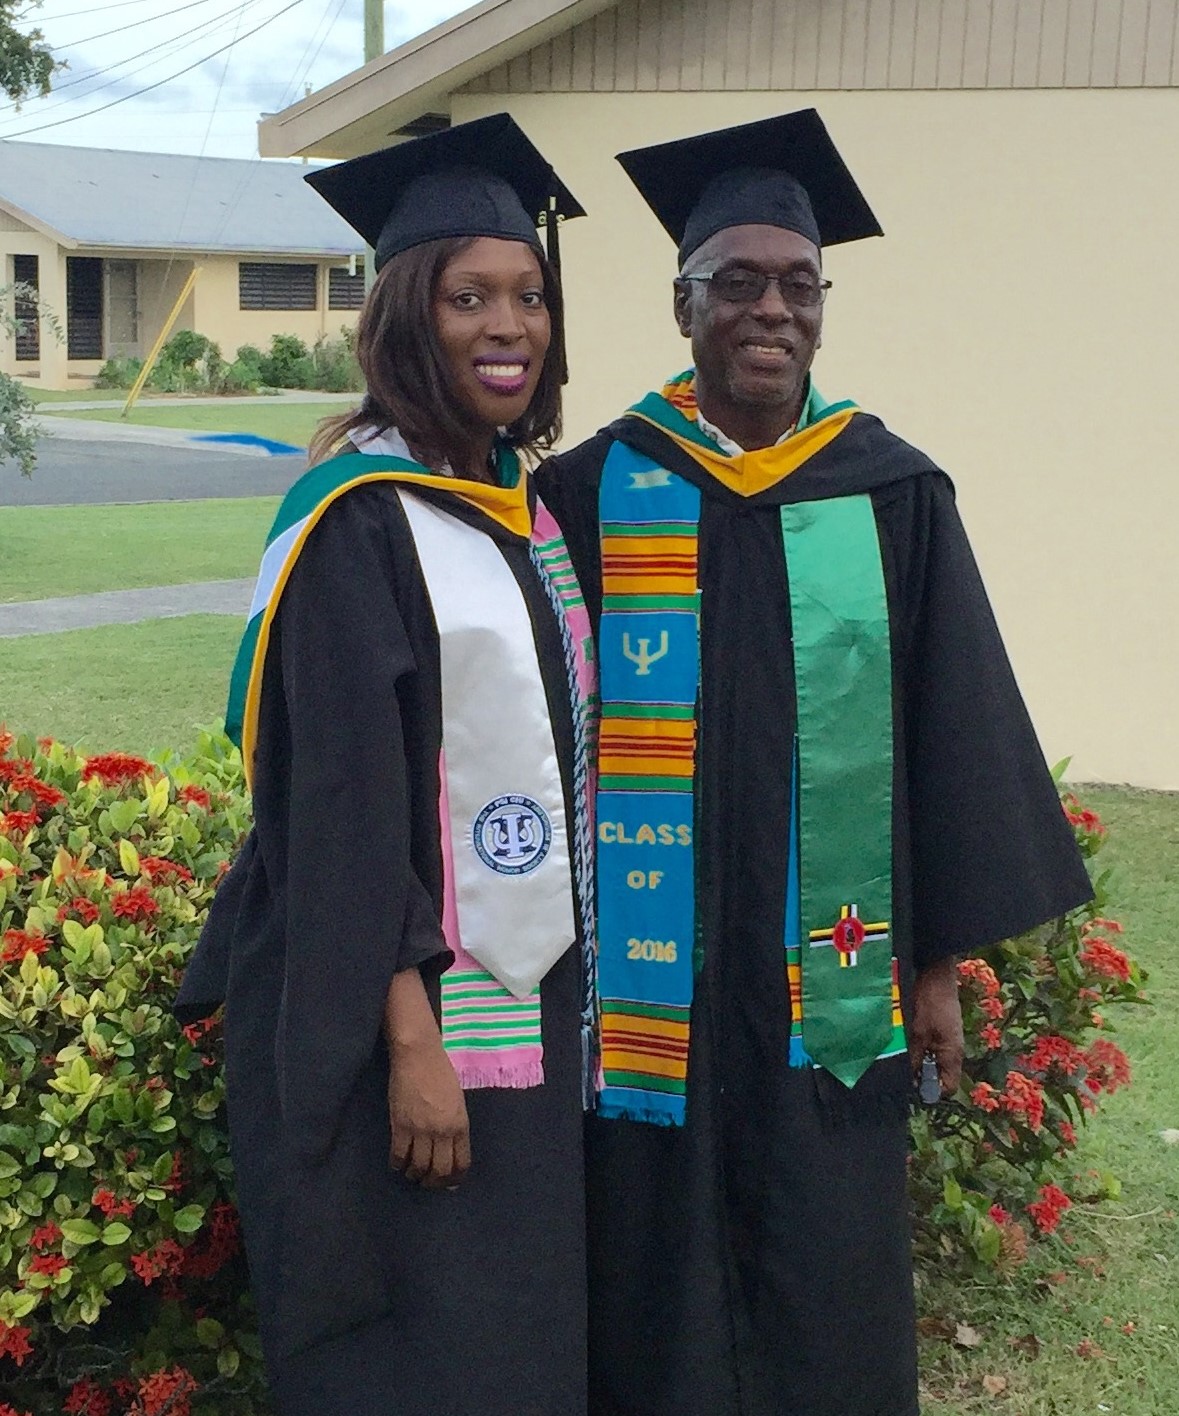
(751, 354)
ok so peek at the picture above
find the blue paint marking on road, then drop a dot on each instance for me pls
(276, 449)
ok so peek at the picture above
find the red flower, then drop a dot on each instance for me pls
(83, 910)
(164, 872)
(47, 1237)
(1024, 1096)
(164, 1394)
(18, 823)
(14, 1343)
(115, 768)
(999, 1214)
(164, 1261)
(977, 971)
(1109, 1067)
(1049, 1208)
(6, 740)
(138, 903)
(48, 1263)
(1101, 957)
(6, 1410)
(1068, 1133)
(106, 1201)
(993, 1008)
(87, 1398)
(195, 796)
(985, 1096)
(16, 944)
(991, 1036)
(221, 1242)
(1053, 1051)
(11, 767)
(1111, 925)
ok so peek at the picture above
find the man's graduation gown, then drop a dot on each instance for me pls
(755, 1262)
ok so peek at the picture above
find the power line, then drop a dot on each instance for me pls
(148, 88)
(91, 10)
(135, 24)
(205, 30)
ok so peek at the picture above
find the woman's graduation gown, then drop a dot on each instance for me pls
(376, 1297)
(755, 1262)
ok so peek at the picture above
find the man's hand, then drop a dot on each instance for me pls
(431, 1136)
(937, 1023)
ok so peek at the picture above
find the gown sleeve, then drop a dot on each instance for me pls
(992, 853)
(355, 911)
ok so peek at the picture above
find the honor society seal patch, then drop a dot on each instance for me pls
(512, 835)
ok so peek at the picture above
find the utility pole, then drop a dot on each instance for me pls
(374, 47)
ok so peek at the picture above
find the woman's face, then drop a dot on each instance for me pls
(494, 327)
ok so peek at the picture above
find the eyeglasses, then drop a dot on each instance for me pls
(799, 289)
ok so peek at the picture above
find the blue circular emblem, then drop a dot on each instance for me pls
(512, 835)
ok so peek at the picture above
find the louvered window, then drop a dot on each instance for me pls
(262, 286)
(84, 307)
(26, 271)
(345, 291)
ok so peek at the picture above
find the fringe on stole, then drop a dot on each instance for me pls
(475, 1075)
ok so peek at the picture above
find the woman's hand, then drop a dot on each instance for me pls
(431, 1140)
(937, 1023)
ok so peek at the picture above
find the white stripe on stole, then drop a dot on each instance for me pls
(273, 559)
(512, 867)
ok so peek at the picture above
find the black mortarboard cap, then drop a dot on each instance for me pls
(483, 178)
(782, 171)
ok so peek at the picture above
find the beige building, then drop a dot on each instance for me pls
(109, 240)
(1017, 322)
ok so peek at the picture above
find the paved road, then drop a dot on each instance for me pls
(74, 473)
(210, 597)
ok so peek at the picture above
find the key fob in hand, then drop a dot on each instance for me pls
(929, 1088)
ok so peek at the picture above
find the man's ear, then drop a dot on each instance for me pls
(682, 305)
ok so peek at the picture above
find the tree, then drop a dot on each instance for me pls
(18, 432)
(27, 64)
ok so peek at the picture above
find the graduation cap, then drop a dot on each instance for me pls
(482, 178)
(782, 171)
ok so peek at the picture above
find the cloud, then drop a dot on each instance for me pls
(215, 106)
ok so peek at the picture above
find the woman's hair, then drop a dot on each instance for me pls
(408, 381)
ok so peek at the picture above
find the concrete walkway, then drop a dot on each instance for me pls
(210, 597)
(289, 395)
(91, 430)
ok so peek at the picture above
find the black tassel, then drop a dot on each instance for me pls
(552, 240)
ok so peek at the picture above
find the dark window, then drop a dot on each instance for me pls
(84, 307)
(276, 287)
(26, 271)
(346, 292)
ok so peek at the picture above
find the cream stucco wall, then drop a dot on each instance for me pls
(1016, 323)
(216, 313)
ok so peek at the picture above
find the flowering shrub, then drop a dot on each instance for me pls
(122, 1285)
(990, 1166)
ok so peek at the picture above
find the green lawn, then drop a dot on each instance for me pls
(1123, 1266)
(70, 395)
(74, 550)
(126, 687)
(280, 420)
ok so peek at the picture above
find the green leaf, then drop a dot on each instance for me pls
(209, 1332)
(129, 859)
(952, 1193)
(189, 1219)
(228, 1361)
(116, 1233)
(9, 1166)
(81, 1231)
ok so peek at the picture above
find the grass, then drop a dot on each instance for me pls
(126, 687)
(1123, 1265)
(74, 550)
(68, 395)
(282, 421)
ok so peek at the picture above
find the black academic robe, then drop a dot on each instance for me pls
(756, 1262)
(376, 1297)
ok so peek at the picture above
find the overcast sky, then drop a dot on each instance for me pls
(115, 48)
